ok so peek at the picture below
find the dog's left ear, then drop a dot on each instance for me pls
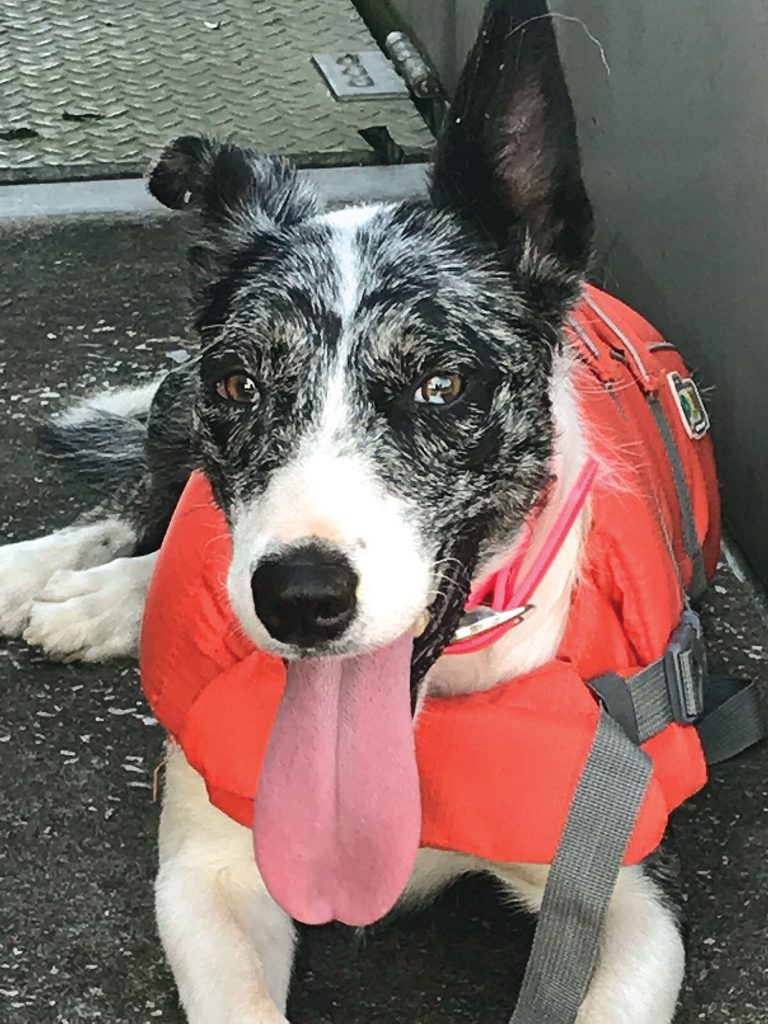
(508, 159)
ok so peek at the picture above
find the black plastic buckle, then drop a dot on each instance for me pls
(685, 667)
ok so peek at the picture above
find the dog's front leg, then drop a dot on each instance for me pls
(641, 960)
(228, 943)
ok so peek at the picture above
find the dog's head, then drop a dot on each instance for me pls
(374, 397)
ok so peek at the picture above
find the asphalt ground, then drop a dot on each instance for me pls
(92, 302)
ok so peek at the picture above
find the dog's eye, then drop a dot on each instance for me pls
(440, 388)
(238, 387)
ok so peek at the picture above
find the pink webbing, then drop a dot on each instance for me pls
(501, 589)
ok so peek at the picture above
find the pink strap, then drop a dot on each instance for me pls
(503, 584)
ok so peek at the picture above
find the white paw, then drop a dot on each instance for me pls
(26, 567)
(92, 615)
(20, 576)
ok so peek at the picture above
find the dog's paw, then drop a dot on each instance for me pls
(26, 567)
(619, 1011)
(266, 1016)
(241, 1014)
(94, 614)
(20, 576)
(24, 571)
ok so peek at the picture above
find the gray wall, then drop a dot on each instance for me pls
(675, 146)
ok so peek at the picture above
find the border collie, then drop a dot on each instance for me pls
(393, 379)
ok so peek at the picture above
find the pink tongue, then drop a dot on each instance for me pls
(337, 817)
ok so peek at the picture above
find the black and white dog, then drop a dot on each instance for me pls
(393, 379)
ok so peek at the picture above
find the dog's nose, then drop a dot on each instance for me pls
(305, 596)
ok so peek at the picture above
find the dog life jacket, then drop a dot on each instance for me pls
(500, 770)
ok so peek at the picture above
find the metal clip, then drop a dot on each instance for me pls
(482, 619)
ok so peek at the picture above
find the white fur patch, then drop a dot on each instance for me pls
(345, 224)
(209, 886)
(334, 497)
(120, 402)
(26, 567)
(92, 614)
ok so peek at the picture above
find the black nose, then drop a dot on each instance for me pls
(306, 596)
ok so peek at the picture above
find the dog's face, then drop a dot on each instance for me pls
(379, 391)
(374, 404)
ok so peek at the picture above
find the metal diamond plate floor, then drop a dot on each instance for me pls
(92, 89)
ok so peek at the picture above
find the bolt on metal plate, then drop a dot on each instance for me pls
(359, 74)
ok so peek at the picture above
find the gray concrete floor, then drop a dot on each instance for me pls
(94, 302)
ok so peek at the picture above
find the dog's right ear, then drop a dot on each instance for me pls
(226, 182)
(242, 198)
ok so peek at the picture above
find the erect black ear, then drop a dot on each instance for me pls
(508, 159)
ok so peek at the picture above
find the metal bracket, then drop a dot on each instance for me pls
(359, 75)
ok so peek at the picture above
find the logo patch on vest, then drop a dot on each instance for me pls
(689, 402)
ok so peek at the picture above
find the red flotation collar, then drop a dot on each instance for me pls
(497, 769)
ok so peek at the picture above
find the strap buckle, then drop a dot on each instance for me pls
(685, 668)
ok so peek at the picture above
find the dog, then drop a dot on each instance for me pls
(393, 383)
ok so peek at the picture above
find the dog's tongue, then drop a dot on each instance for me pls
(337, 817)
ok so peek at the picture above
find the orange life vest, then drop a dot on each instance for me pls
(498, 769)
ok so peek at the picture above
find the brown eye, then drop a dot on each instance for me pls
(440, 388)
(238, 387)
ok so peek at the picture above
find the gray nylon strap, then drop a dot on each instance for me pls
(613, 692)
(730, 721)
(640, 704)
(582, 878)
(650, 697)
(692, 546)
(735, 723)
